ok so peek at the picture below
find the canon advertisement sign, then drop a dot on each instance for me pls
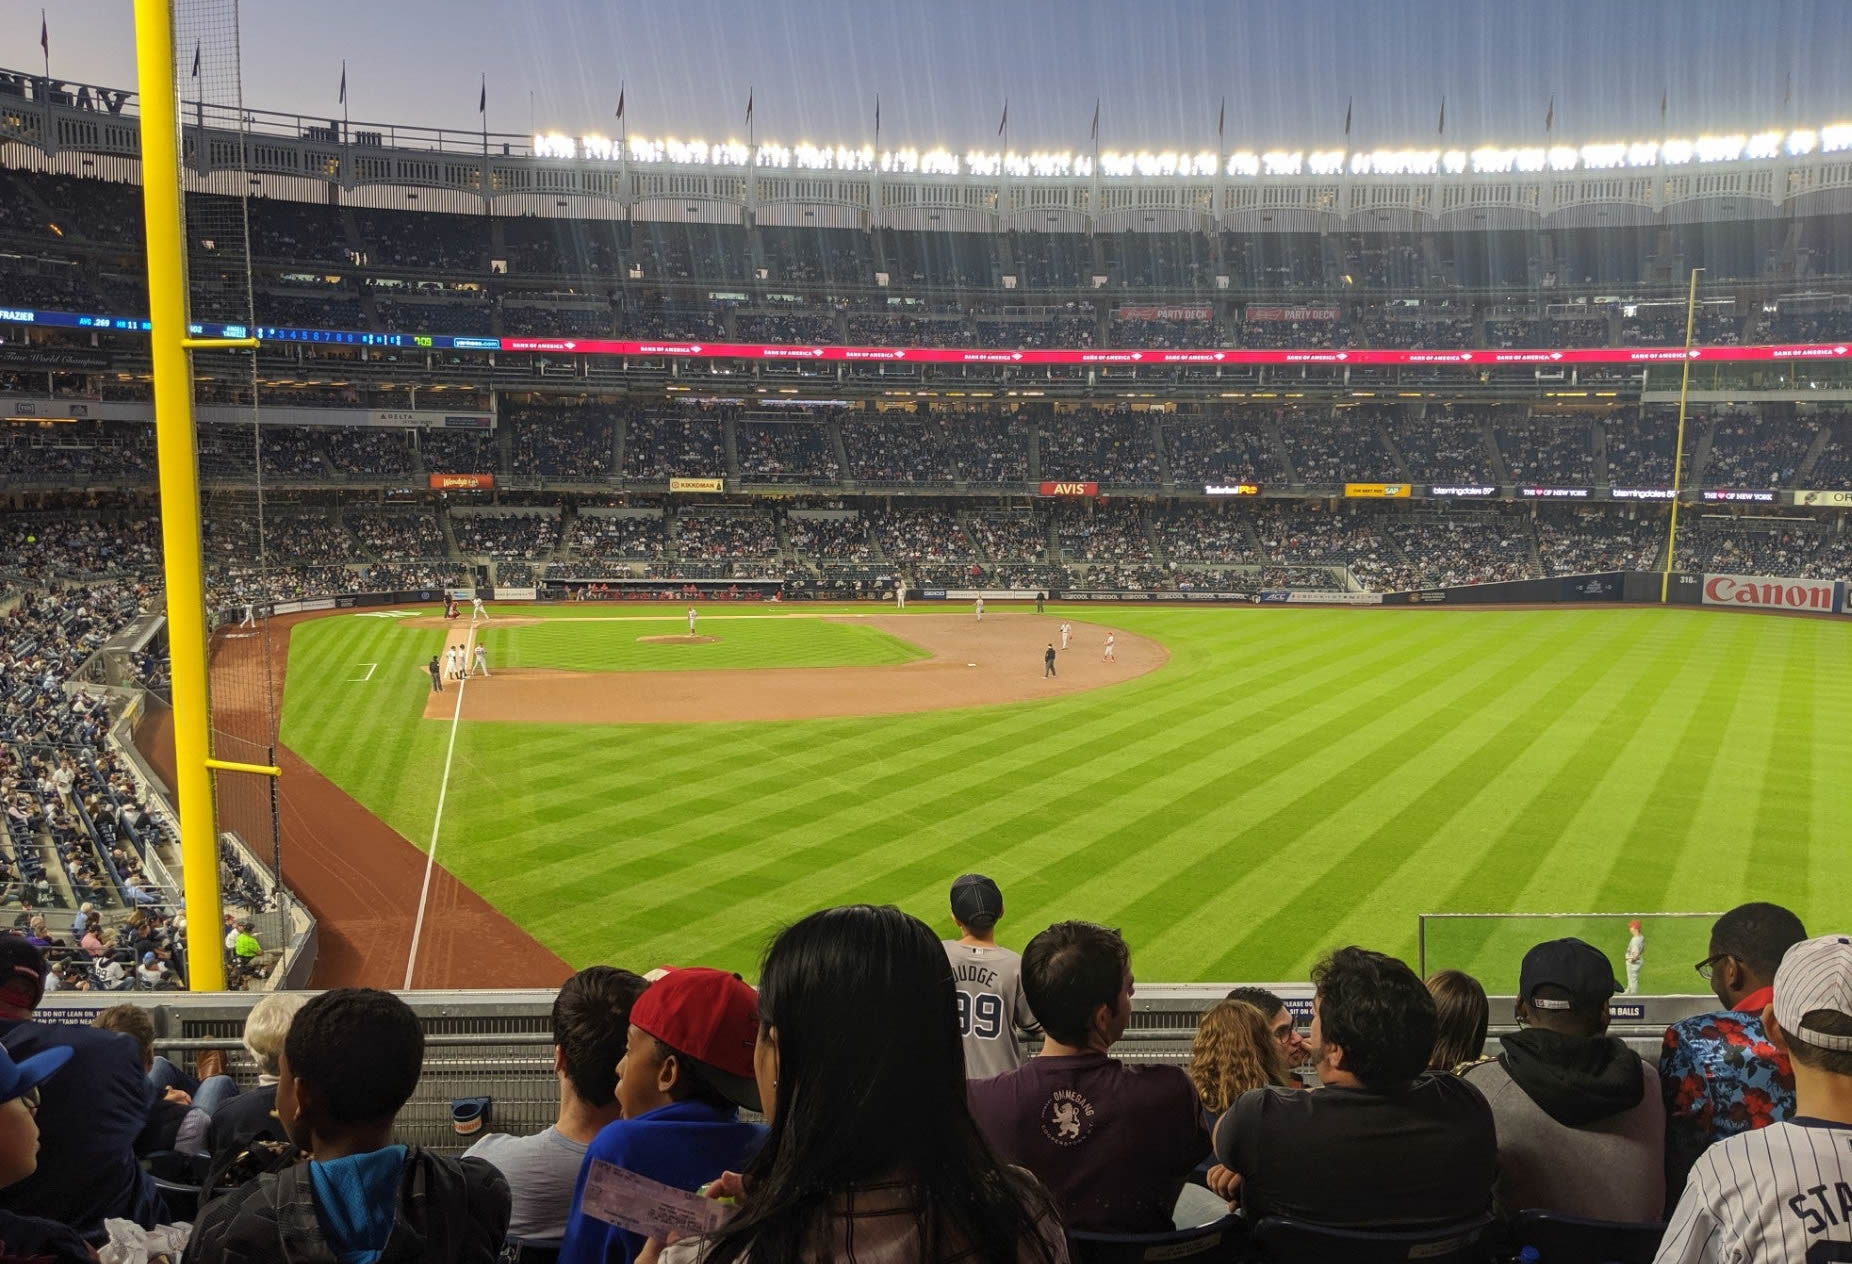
(1763, 592)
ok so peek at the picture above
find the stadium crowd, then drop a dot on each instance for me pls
(1388, 1122)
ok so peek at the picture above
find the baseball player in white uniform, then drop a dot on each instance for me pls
(691, 621)
(1067, 630)
(475, 609)
(482, 660)
(1106, 654)
(980, 609)
(250, 616)
(1783, 1194)
(1636, 955)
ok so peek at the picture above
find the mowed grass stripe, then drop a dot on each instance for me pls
(852, 849)
(1671, 805)
(1462, 762)
(901, 754)
(1304, 783)
(904, 782)
(1277, 763)
(738, 645)
(1494, 879)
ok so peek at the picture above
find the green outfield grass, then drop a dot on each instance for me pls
(1292, 780)
(588, 644)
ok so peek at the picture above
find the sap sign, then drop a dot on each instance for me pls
(1765, 593)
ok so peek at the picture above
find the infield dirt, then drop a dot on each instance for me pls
(972, 664)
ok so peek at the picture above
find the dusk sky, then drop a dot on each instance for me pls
(943, 70)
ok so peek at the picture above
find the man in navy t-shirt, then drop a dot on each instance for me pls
(88, 1117)
(1112, 1142)
(686, 1071)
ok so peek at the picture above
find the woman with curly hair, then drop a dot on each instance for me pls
(1234, 1052)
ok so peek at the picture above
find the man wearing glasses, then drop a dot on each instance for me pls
(1720, 1074)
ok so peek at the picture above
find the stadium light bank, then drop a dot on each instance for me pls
(1484, 160)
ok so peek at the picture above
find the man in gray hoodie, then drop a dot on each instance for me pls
(1581, 1124)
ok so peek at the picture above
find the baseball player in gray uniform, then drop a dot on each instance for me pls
(991, 1005)
(1783, 1194)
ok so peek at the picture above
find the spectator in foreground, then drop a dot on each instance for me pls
(1385, 1143)
(1785, 1193)
(29, 1239)
(177, 1119)
(252, 1114)
(1461, 1016)
(685, 1073)
(1234, 1053)
(1279, 1022)
(858, 1031)
(991, 1006)
(1719, 1072)
(350, 1062)
(89, 1117)
(1111, 1140)
(1581, 1125)
(591, 1019)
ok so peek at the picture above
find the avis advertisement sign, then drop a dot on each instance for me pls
(1765, 592)
(1070, 489)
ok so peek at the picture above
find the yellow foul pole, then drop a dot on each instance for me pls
(1678, 453)
(173, 429)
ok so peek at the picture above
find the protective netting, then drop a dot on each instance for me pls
(236, 464)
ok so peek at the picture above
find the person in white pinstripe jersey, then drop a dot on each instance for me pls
(1783, 1194)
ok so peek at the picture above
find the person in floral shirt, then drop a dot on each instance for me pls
(1719, 1072)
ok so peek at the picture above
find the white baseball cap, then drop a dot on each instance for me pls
(1815, 974)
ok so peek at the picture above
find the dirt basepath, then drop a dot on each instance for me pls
(973, 664)
(358, 876)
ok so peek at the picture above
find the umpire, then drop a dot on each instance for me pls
(1048, 661)
(437, 675)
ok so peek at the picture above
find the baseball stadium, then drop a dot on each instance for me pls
(444, 561)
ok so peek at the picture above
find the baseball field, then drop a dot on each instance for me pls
(1240, 790)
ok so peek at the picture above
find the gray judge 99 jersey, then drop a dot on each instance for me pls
(1777, 1195)
(991, 1008)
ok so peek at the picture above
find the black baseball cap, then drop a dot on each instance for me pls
(976, 901)
(22, 972)
(1574, 965)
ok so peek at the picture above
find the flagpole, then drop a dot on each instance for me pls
(45, 42)
(343, 100)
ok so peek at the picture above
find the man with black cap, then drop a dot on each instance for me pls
(991, 1006)
(1581, 1125)
(88, 1117)
(686, 1071)
(1783, 1193)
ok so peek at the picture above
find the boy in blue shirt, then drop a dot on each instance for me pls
(686, 1071)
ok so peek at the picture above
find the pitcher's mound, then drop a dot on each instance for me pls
(679, 640)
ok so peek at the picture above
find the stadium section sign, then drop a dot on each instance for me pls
(697, 484)
(461, 482)
(1293, 313)
(1070, 489)
(1824, 500)
(1765, 592)
(1379, 491)
(1164, 313)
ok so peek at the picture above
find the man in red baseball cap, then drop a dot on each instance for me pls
(685, 1074)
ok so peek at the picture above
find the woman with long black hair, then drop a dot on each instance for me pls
(873, 1157)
